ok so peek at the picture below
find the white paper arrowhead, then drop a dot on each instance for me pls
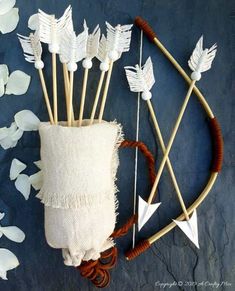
(190, 228)
(145, 211)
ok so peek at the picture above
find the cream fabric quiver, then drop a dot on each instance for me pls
(79, 171)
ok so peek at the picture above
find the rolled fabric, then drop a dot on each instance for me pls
(79, 166)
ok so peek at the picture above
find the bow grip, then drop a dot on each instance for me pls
(137, 250)
(218, 145)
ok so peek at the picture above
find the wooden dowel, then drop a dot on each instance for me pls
(106, 88)
(82, 104)
(66, 88)
(97, 96)
(70, 99)
(54, 76)
(160, 170)
(46, 97)
(184, 75)
(162, 144)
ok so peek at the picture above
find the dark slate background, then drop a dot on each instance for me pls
(179, 24)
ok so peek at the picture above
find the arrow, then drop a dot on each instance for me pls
(142, 80)
(73, 50)
(199, 62)
(51, 32)
(33, 54)
(118, 41)
(92, 47)
(103, 57)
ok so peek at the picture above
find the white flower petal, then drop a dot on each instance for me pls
(8, 261)
(16, 168)
(17, 134)
(2, 214)
(36, 180)
(13, 233)
(6, 5)
(9, 21)
(2, 88)
(26, 120)
(23, 185)
(12, 129)
(38, 164)
(4, 73)
(18, 83)
(33, 22)
(3, 132)
(7, 143)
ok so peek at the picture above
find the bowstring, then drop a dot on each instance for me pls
(137, 139)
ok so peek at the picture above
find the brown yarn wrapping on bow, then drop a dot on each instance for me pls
(218, 145)
(138, 249)
(98, 271)
(144, 25)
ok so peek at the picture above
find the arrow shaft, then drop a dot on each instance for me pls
(97, 96)
(69, 113)
(46, 97)
(66, 88)
(168, 162)
(106, 88)
(174, 132)
(82, 104)
(54, 77)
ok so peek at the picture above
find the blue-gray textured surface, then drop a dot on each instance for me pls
(179, 24)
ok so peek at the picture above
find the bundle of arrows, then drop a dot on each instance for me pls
(80, 156)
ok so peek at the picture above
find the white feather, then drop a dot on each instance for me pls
(52, 29)
(140, 79)
(118, 38)
(73, 48)
(201, 60)
(31, 46)
(102, 54)
(92, 42)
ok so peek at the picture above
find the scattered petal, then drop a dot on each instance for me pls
(16, 168)
(4, 73)
(17, 134)
(7, 143)
(2, 88)
(12, 128)
(3, 132)
(18, 83)
(36, 180)
(6, 135)
(33, 22)
(38, 164)
(2, 214)
(23, 185)
(26, 120)
(6, 6)
(13, 233)
(8, 261)
(9, 21)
